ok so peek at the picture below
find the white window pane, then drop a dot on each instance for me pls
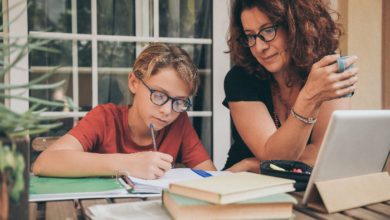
(185, 18)
(116, 17)
(56, 16)
(116, 54)
(42, 62)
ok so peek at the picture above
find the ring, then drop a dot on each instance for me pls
(341, 65)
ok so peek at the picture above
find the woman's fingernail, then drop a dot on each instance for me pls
(355, 57)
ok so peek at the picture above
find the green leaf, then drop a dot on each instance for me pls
(20, 163)
(17, 17)
(18, 188)
(2, 158)
(35, 100)
(9, 160)
(7, 111)
(21, 54)
(41, 78)
(31, 86)
(35, 131)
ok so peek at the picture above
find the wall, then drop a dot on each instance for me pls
(386, 56)
(362, 20)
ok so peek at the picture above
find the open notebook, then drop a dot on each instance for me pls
(174, 175)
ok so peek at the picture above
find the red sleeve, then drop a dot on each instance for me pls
(192, 151)
(89, 130)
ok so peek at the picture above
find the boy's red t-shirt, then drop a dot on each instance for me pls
(105, 130)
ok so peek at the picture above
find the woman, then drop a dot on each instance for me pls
(285, 84)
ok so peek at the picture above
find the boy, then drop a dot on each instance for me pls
(112, 138)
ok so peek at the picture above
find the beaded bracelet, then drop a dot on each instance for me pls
(306, 120)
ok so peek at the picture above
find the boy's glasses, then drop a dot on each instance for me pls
(267, 34)
(160, 98)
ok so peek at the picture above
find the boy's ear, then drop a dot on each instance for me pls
(133, 83)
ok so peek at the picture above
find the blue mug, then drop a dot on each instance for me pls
(342, 68)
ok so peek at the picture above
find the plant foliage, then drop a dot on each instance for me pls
(14, 124)
(11, 122)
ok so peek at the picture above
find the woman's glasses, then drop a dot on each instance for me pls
(267, 34)
(160, 98)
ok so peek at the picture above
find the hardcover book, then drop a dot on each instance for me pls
(277, 206)
(232, 188)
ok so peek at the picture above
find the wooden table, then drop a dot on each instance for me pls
(65, 210)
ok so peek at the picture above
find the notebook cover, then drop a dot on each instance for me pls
(51, 185)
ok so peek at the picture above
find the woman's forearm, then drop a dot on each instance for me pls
(287, 143)
(309, 155)
(290, 140)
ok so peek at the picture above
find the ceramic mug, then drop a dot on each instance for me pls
(342, 68)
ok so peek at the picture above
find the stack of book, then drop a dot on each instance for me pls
(235, 196)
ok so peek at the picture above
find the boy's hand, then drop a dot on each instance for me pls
(146, 165)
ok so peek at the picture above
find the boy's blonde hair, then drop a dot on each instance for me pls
(157, 56)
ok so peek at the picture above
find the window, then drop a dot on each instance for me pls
(98, 40)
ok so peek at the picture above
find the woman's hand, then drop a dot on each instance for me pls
(324, 83)
(249, 164)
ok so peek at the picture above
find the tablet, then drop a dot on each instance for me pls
(356, 142)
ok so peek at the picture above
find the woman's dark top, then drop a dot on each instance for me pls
(240, 86)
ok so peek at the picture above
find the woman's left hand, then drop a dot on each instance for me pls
(249, 164)
(324, 83)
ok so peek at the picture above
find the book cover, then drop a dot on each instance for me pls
(232, 188)
(277, 206)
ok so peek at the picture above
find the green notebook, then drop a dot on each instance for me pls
(51, 188)
(51, 185)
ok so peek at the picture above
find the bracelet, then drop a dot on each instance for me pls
(306, 120)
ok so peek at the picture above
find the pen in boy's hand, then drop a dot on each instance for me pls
(153, 138)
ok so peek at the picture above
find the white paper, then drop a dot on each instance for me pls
(175, 175)
(143, 210)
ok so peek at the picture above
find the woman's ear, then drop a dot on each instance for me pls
(133, 83)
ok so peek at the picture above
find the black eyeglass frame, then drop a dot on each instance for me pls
(173, 99)
(275, 27)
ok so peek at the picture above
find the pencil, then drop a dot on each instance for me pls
(153, 138)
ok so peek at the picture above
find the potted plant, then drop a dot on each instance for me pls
(15, 127)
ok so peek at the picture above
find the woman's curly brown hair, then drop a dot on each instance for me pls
(312, 34)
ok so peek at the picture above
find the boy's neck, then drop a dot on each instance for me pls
(140, 134)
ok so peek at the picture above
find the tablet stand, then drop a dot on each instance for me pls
(347, 193)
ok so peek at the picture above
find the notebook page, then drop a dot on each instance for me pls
(175, 175)
(131, 210)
